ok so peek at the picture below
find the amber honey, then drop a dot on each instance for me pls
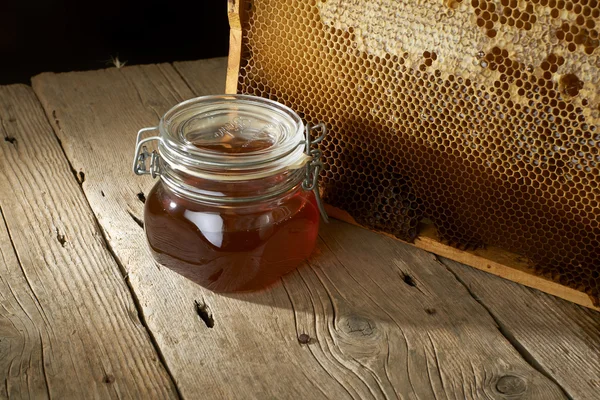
(231, 249)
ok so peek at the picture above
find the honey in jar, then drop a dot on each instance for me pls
(235, 206)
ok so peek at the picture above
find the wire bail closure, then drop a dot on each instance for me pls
(315, 165)
(142, 154)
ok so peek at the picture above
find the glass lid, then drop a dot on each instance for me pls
(235, 132)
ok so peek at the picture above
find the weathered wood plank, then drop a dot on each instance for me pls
(492, 260)
(68, 325)
(561, 337)
(580, 373)
(367, 317)
(206, 77)
(385, 307)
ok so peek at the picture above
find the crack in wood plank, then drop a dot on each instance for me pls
(43, 362)
(20, 264)
(137, 220)
(204, 312)
(559, 335)
(138, 307)
(7, 137)
(507, 334)
(61, 238)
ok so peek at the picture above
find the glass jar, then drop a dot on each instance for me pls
(237, 204)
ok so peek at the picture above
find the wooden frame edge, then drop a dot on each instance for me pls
(235, 15)
(492, 259)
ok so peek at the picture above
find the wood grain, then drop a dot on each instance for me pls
(579, 375)
(242, 352)
(561, 337)
(366, 317)
(381, 306)
(68, 325)
(493, 260)
(207, 76)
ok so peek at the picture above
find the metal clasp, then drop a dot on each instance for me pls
(315, 165)
(142, 154)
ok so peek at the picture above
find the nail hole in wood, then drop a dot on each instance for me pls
(204, 313)
(408, 280)
(108, 378)
(73, 170)
(431, 311)
(304, 339)
(102, 193)
(56, 121)
(141, 197)
(61, 238)
(10, 139)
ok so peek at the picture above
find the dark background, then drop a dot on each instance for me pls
(68, 35)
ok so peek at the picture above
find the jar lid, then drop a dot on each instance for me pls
(232, 137)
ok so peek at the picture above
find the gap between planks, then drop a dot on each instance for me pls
(505, 331)
(54, 250)
(80, 179)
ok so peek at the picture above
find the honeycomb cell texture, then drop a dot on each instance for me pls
(480, 117)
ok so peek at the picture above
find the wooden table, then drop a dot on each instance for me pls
(86, 313)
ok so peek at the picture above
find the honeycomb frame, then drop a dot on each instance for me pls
(468, 128)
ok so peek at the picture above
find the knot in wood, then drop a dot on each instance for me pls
(511, 385)
(355, 325)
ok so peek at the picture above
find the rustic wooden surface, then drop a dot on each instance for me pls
(68, 324)
(559, 338)
(493, 260)
(205, 77)
(366, 317)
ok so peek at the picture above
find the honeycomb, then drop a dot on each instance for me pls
(480, 117)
